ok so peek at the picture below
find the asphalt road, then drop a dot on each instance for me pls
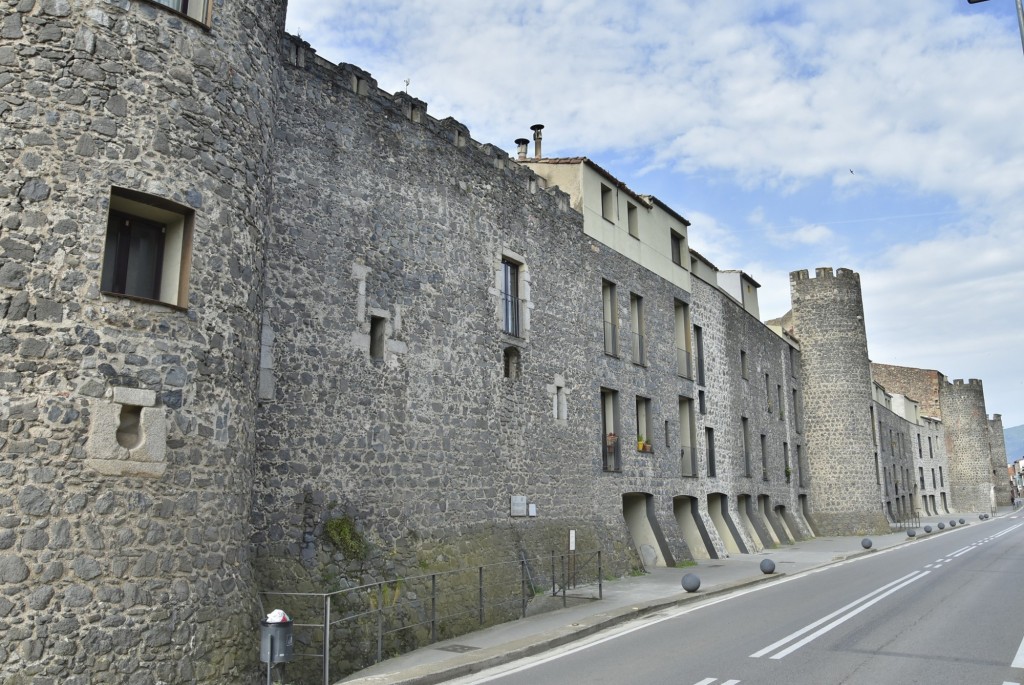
(946, 609)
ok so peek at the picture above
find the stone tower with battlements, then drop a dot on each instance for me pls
(967, 444)
(134, 197)
(997, 443)
(828, 320)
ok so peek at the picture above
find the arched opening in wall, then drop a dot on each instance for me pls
(925, 506)
(945, 504)
(888, 512)
(638, 510)
(687, 512)
(744, 510)
(805, 510)
(718, 509)
(935, 510)
(765, 512)
(787, 525)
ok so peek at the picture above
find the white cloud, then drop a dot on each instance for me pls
(776, 96)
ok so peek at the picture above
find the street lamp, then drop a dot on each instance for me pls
(1020, 17)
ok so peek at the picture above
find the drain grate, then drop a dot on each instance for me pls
(457, 648)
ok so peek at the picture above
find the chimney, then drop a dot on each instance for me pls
(536, 128)
(523, 143)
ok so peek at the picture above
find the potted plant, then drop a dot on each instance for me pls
(788, 474)
(640, 442)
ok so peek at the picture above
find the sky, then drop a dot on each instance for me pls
(884, 137)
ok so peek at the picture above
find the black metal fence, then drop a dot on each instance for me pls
(365, 624)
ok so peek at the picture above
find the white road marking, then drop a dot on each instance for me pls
(706, 681)
(843, 619)
(731, 682)
(806, 629)
(1018, 660)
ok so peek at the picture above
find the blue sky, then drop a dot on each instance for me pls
(879, 136)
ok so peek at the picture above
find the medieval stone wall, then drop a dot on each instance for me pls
(895, 452)
(921, 385)
(997, 447)
(828, 318)
(967, 445)
(128, 564)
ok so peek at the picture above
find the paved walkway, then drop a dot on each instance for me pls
(624, 599)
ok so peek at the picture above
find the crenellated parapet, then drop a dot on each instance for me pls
(828, 319)
(968, 443)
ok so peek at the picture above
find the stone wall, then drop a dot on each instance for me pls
(967, 444)
(828, 318)
(997, 446)
(128, 564)
(921, 385)
(895, 451)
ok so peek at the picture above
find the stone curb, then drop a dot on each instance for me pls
(483, 659)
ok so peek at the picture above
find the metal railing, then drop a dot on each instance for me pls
(513, 307)
(639, 355)
(611, 339)
(611, 456)
(390, 617)
(683, 366)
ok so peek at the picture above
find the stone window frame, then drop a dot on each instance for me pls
(522, 295)
(178, 227)
(203, 18)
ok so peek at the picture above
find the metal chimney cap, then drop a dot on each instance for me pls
(522, 141)
(536, 127)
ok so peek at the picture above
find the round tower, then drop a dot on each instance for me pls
(828, 320)
(133, 205)
(967, 444)
(1000, 476)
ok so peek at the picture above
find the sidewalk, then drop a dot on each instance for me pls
(624, 599)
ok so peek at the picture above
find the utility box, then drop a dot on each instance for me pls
(275, 642)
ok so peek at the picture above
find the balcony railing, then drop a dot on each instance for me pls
(611, 456)
(513, 307)
(611, 339)
(683, 366)
(639, 356)
(688, 460)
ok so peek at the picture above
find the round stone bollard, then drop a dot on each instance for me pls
(981, 517)
(866, 543)
(767, 566)
(942, 526)
(952, 523)
(691, 582)
(927, 529)
(911, 533)
(962, 522)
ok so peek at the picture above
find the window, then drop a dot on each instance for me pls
(709, 442)
(931, 455)
(782, 403)
(561, 407)
(687, 437)
(511, 304)
(785, 462)
(933, 479)
(610, 447)
(611, 319)
(768, 392)
(701, 401)
(743, 364)
(682, 335)
(746, 446)
(636, 317)
(942, 482)
(920, 453)
(764, 456)
(800, 467)
(698, 336)
(632, 221)
(148, 249)
(643, 425)
(678, 248)
(796, 412)
(920, 473)
(194, 9)
(512, 363)
(607, 203)
(377, 338)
